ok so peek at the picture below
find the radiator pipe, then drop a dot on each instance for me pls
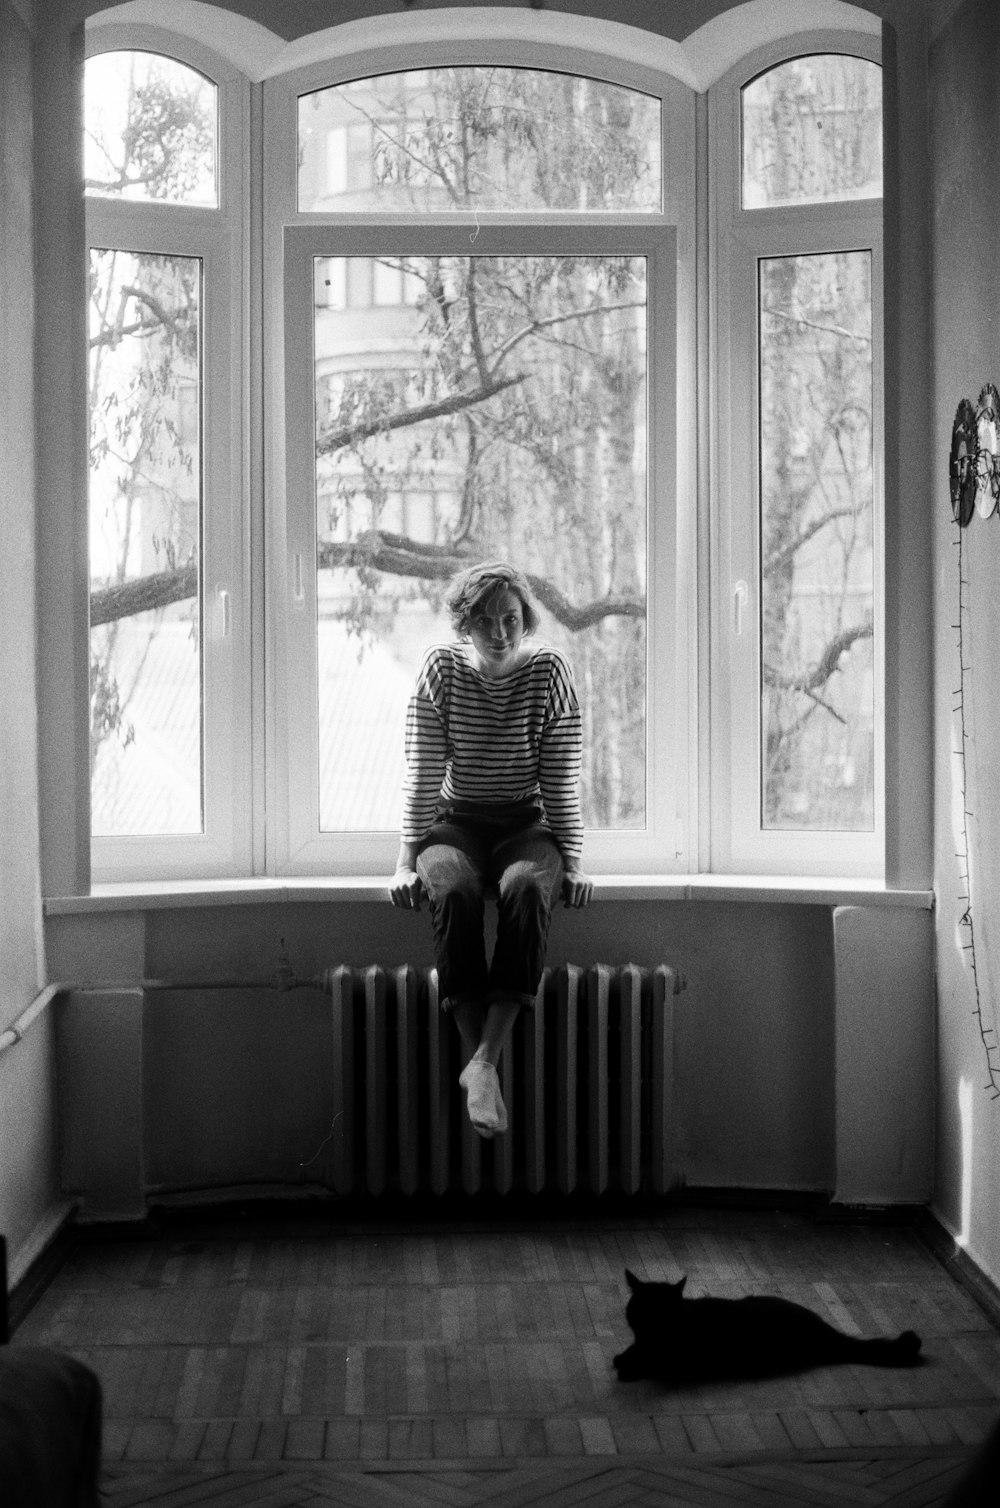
(283, 986)
(283, 979)
(17, 1029)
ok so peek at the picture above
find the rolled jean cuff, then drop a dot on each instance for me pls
(448, 1002)
(518, 997)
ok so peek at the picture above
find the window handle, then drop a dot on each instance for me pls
(227, 616)
(298, 586)
(741, 596)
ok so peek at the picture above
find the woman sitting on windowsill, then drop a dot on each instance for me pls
(491, 799)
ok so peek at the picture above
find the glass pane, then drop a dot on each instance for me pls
(817, 564)
(812, 132)
(149, 129)
(145, 535)
(503, 139)
(500, 413)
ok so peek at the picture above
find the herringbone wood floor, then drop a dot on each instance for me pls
(252, 1358)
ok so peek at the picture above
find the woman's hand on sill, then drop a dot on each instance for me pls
(577, 889)
(406, 889)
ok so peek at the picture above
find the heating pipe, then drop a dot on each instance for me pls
(282, 980)
(17, 1029)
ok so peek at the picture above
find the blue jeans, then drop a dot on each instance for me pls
(461, 858)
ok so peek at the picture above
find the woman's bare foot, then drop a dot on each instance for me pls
(484, 1103)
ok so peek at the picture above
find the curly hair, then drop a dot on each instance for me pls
(479, 583)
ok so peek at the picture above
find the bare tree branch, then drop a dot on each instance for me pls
(163, 318)
(390, 554)
(820, 702)
(559, 319)
(143, 296)
(381, 129)
(143, 594)
(812, 324)
(784, 553)
(395, 555)
(474, 332)
(114, 335)
(826, 665)
(352, 434)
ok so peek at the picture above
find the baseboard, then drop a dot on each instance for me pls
(457, 1210)
(282, 1201)
(38, 1260)
(966, 1272)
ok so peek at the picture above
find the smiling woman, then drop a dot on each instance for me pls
(496, 633)
(493, 761)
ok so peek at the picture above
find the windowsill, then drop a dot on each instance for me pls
(777, 889)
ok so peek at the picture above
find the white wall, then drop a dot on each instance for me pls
(759, 1051)
(964, 67)
(783, 1076)
(28, 1188)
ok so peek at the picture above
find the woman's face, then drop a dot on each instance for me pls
(496, 630)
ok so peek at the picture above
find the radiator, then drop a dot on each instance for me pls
(586, 1078)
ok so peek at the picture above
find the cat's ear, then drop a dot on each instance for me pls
(632, 1281)
(679, 1287)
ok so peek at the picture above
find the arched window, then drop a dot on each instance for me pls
(811, 130)
(800, 340)
(150, 130)
(464, 308)
(479, 303)
(163, 196)
(497, 139)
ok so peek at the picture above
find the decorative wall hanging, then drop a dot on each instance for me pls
(962, 467)
(974, 476)
(988, 451)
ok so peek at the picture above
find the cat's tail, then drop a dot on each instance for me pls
(904, 1351)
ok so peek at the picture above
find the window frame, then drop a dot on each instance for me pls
(295, 843)
(696, 710)
(740, 239)
(216, 236)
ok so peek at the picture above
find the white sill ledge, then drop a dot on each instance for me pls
(778, 889)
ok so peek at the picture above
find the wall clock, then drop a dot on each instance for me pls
(962, 468)
(988, 456)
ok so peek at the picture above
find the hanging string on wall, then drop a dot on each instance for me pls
(974, 478)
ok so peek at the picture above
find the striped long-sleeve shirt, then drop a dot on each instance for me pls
(469, 738)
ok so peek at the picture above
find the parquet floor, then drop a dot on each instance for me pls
(295, 1359)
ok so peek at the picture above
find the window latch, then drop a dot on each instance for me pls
(226, 611)
(741, 596)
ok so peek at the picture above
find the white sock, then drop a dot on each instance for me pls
(481, 1083)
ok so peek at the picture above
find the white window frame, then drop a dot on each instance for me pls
(257, 819)
(740, 238)
(295, 843)
(217, 237)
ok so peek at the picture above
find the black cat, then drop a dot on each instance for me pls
(681, 1340)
